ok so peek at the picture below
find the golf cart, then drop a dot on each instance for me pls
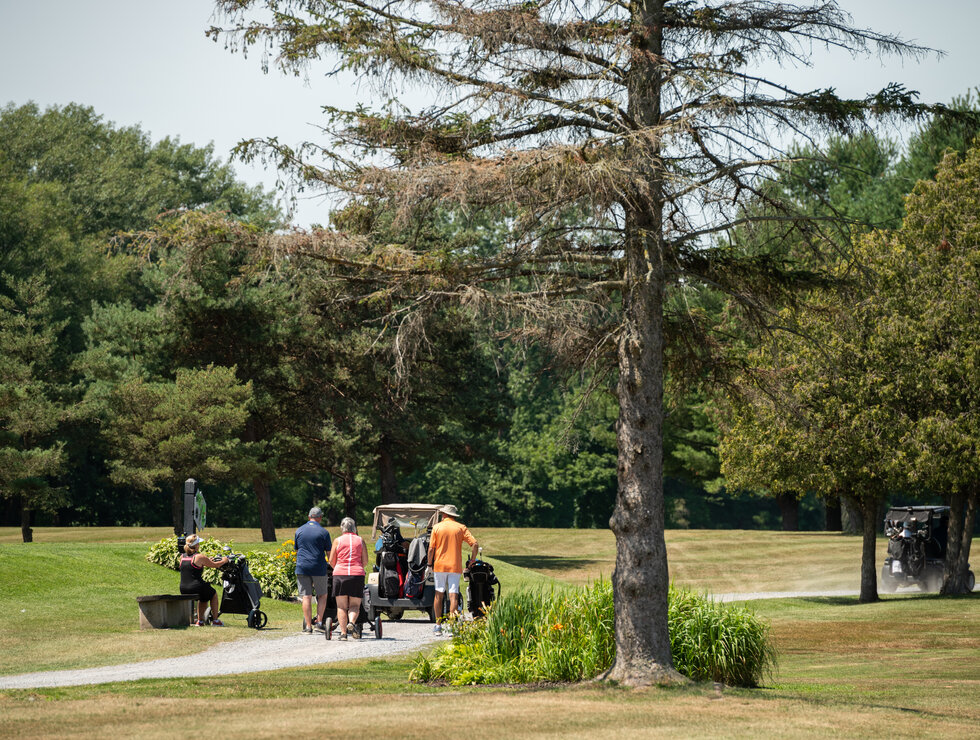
(917, 537)
(398, 584)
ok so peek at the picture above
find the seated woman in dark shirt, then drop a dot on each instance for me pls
(192, 582)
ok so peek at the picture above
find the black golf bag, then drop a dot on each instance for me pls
(392, 564)
(480, 593)
(242, 593)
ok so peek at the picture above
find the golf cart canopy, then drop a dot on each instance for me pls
(921, 513)
(419, 517)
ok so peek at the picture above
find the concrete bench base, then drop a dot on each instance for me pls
(165, 611)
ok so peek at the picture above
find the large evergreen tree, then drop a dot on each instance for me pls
(647, 119)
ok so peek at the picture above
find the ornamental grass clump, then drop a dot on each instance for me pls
(567, 634)
(710, 641)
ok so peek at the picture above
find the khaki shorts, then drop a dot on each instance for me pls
(447, 580)
(313, 585)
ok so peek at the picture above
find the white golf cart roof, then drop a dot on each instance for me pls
(418, 517)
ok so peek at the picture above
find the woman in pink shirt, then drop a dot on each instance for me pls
(348, 558)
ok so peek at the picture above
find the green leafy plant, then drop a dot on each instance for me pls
(275, 572)
(567, 634)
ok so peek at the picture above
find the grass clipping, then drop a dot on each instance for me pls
(568, 634)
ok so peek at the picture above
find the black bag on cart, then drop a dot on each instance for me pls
(388, 578)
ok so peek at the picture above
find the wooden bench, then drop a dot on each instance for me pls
(166, 610)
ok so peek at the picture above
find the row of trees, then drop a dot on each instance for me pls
(165, 337)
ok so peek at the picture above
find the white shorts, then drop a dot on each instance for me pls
(447, 579)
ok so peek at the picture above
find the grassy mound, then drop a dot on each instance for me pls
(568, 635)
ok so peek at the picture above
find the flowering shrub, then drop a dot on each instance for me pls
(275, 572)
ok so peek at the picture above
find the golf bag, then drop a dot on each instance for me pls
(480, 593)
(391, 576)
(241, 593)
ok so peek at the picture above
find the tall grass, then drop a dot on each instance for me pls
(567, 634)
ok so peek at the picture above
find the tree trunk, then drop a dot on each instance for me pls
(851, 516)
(350, 500)
(832, 515)
(789, 509)
(640, 579)
(254, 433)
(869, 573)
(25, 522)
(386, 471)
(962, 514)
(177, 508)
(264, 498)
(966, 540)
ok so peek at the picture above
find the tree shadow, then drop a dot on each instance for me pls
(547, 562)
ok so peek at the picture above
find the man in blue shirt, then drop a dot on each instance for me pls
(312, 543)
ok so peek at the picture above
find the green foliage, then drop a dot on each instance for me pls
(275, 572)
(710, 641)
(165, 432)
(567, 635)
(30, 407)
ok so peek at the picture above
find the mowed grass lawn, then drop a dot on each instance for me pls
(908, 666)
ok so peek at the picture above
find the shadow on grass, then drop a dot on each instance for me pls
(830, 600)
(547, 562)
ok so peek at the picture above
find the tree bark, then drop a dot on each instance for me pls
(640, 579)
(832, 516)
(254, 433)
(350, 500)
(789, 509)
(869, 573)
(263, 496)
(386, 471)
(966, 540)
(851, 516)
(962, 515)
(177, 508)
(25, 522)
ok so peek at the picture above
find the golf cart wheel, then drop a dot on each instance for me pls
(377, 628)
(371, 613)
(396, 614)
(971, 581)
(257, 619)
(328, 628)
(432, 613)
(208, 616)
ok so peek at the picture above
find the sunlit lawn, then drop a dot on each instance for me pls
(907, 666)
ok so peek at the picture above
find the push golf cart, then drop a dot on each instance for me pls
(917, 537)
(241, 593)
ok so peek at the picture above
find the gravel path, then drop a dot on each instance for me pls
(252, 654)
(247, 655)
(780, 595)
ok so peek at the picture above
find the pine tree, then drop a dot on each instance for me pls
(616, 140)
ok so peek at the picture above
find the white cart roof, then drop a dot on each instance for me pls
(419, 517)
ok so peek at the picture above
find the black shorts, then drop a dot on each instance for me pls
(204, 592)
(348, 586)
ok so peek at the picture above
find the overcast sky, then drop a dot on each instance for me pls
(147, 62)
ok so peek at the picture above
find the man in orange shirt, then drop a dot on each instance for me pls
(445, 559)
